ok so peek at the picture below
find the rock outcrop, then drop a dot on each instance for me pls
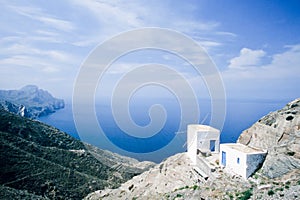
(163, 177)
(29, 101)
(279, 134)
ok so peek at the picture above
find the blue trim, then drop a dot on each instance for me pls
(223, 158)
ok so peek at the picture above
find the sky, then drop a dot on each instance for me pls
(254, 44)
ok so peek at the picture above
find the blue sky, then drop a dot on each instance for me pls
(255, 44)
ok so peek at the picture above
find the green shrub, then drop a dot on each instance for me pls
(279, 189)
(195, 187)
(246, 194)
(179, 195)
(287, 186)
(271, 192)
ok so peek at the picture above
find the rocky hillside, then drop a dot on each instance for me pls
(29, 101)
(279, 133)
(279, 178)
(174, 178)
(41, 162)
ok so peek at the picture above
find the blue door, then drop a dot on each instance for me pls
(212, 145)
(224, 158)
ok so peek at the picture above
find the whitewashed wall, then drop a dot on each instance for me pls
(204, 138)
(198, 137)
(192, 143)
(231, 160)
(248, 162)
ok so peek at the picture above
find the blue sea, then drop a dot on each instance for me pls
(240, 115)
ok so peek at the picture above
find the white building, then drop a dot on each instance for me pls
(202, 138)
(240, 159)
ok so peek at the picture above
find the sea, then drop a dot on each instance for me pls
(240, 115)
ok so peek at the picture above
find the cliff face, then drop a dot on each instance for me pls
(29, 101)
(279, 133)
(39, 161)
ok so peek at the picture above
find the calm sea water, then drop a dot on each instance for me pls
(240, 116)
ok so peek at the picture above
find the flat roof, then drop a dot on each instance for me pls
(200, 127)
(243, 148)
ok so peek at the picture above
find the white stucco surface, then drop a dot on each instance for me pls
(201, 137)
(240, 159)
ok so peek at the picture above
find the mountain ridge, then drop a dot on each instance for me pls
(30, 101)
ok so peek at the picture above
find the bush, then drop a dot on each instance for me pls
(246, 194)
(291, 153)
(179, 195)
(287, 186)
(195, 187)
(271, 192)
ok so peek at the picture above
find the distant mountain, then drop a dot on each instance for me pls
(29, 101)
(40, 162)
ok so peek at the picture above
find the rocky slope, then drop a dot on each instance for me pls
(29, 101)
(279, 133)
(175, 178)
(279, 178)
(41, 162)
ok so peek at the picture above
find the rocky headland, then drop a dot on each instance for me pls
(30, 101)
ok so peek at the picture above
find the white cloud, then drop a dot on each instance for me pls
(280, 76)
(50, 69)
(190, 26)
(48, 20)
(57, 23)
(22, 49)
(122, 68)
(282, 65)
(224, 33)
(209, 44)
(112, 12)
(247, 58)
(118, 16)
(23, 61)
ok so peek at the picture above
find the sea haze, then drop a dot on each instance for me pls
(240, 115)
